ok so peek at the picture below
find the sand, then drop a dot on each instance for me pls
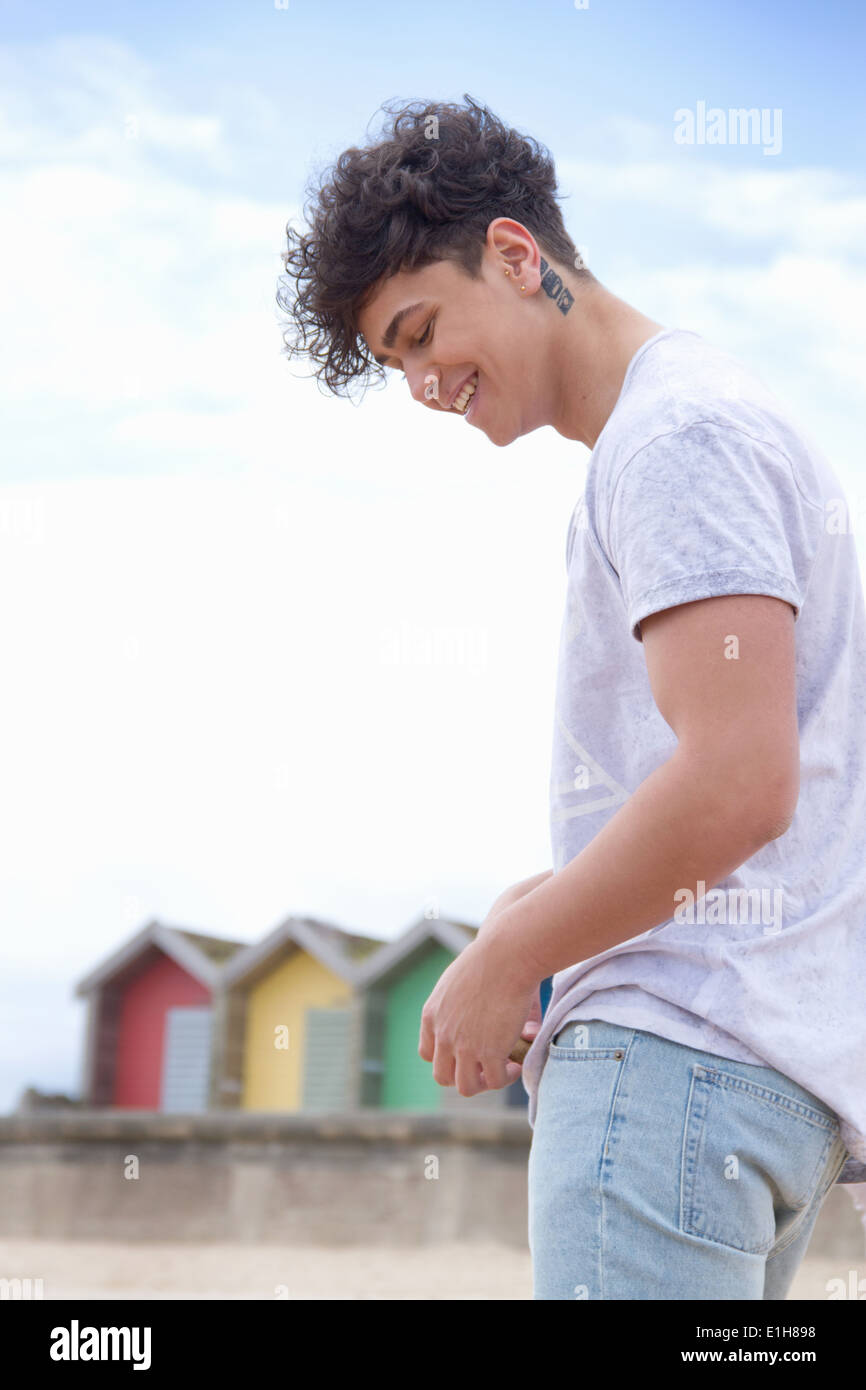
(102, 1270)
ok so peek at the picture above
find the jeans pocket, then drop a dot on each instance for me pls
(571, 1044)
(751, 1156)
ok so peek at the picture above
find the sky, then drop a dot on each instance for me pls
(271, 653)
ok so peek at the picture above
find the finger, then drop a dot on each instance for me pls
(494, 1073)
(426, 1039)
(535, 1008)
(513, 1071)
(527, 1037)
(443, 1065)
(468, 1077)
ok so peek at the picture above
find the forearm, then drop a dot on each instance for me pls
(516, 891)
(679, 827)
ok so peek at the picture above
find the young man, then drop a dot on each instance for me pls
(698, 1080)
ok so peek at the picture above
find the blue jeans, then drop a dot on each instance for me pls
(660, 1172)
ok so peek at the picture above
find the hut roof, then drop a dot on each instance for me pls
(201, 955)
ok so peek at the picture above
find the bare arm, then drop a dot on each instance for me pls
(512, 894)
(729, 788)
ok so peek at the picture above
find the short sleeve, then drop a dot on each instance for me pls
(704, 511)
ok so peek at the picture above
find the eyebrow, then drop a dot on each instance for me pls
(390, 334)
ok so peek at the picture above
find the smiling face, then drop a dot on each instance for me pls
(458, 330)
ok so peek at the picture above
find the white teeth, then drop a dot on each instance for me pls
(466, 395)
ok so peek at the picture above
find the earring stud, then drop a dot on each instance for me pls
(508, 272)
(523, 287)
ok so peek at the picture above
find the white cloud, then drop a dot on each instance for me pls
(819, 211)
(117, 286)
(91, 99)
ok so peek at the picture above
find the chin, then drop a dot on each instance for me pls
(500, 439)
(503, 440)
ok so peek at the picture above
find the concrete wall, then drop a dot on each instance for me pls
(332, 1179)
(249, 1176)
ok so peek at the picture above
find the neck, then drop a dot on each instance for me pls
(590, 361)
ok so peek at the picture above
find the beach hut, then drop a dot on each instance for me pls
(287, 1031)
(150, 1011)
(394, 986)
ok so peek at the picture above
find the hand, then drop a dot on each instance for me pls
(479, 1008)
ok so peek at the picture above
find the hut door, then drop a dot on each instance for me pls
(186, 1059)
(326, 1060)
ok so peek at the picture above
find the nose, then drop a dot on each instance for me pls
(425, 387)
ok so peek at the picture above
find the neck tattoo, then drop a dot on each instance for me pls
(553, 287)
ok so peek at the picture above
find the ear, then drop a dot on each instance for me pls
(512, 247)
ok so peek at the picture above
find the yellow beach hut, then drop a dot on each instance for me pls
(289, 1025)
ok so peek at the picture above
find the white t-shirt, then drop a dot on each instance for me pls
(699, 485)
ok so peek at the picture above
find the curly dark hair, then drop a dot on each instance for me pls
(426, 191)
